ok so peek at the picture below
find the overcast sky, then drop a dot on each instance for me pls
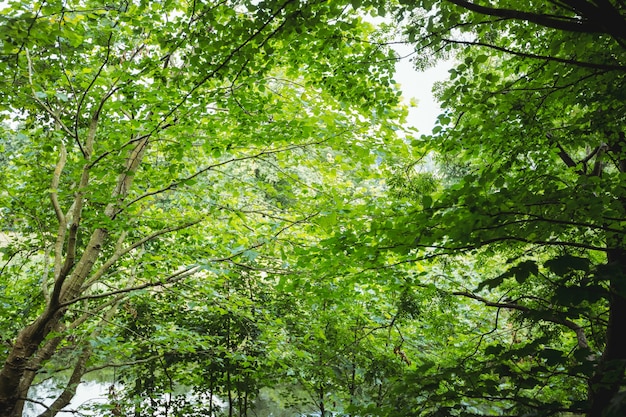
(418, 85)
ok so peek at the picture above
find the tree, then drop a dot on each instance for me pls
(129, 124)
(344, 345)
(530, 156)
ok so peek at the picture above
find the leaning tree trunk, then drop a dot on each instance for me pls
(70, 275)
(32, 337)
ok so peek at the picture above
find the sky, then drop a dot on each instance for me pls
(418, 85)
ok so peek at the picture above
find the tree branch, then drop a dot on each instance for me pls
(121, 252)
(582, 64)
(565, 157)
(570, 24)
(124, 364)
(54, 186)
(452, 249)
(535, 218)
(546, 316)
(178, 182)
(176, 276)
(61, 231)
(86, 153)
(43, 105)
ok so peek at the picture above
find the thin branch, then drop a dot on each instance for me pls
(43, 105)
(84, 96)
(482, 337)
(130, 142)
(534, 218)
(28, 34)
(61, 231)
(305, 219)
(93, 123)
(124, 364)
(56, 178)
(121, 252)
(40, 403)
(546, 316)
(500, 239)
(181, 181)
(45, 274)
(168, 280)
(574, 62)
(66, 74)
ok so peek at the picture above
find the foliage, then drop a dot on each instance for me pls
(214, 199)
(157, 151)
(528, 211)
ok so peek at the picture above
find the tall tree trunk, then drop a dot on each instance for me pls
(35, 364)
(321, 405)
(15, 367)
(609, 374)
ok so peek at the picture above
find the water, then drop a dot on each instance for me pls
(87, 395)
(93, 393)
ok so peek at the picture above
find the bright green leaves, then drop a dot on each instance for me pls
(207, 144)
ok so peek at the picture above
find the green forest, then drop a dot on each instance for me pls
(220, 208)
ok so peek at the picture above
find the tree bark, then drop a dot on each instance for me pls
(609, 374)
(35, 364)
(66, 288)
(70, 388)
(15, 367)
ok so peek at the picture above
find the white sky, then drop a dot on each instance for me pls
(418, 85)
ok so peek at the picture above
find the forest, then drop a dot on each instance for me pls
(219, 208)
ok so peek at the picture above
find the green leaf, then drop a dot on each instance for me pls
(524, 270)
(427, 201)
(328, 221)
(563, 264)
(481, 58)
(552, 356)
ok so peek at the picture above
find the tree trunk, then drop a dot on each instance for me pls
(67, 286)
(15, 367)
(70, 388)
(34, 365)
(29, 340)
(609, 374)
(321, 405)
